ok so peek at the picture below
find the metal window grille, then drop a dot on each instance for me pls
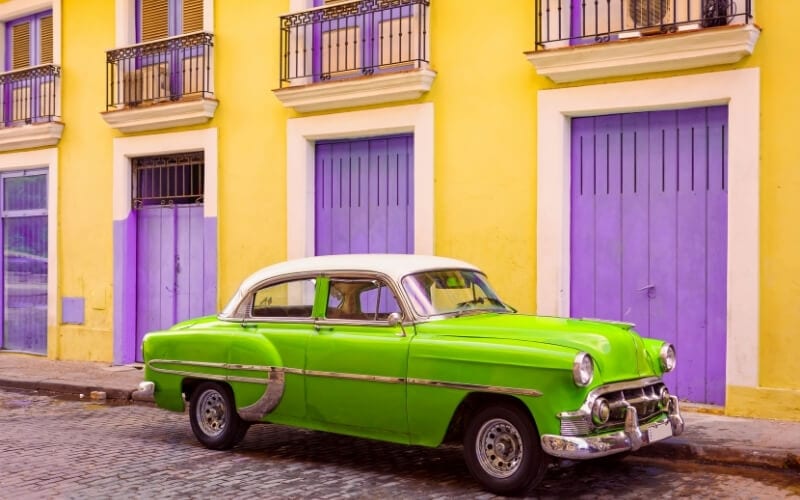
(175, 179)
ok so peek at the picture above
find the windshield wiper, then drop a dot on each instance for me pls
(481, 300)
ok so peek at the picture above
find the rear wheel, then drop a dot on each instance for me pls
(212, 413)
(502, 450)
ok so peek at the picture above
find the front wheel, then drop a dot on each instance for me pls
(212, 413)
(502, 450)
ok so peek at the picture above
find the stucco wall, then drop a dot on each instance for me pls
(485, 166)
(780, 198)
(84, 184)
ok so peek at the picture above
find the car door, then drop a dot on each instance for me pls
(356, 363)
(282, 312)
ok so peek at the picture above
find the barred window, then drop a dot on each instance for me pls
(174, 179)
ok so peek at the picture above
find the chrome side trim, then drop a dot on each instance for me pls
(355, 376)
(208, 376)
(276, 376)
(476, 387)
(207, 364)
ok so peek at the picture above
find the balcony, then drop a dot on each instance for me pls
(29, 108)
(161, 84)
(354, 53)
(587, 39)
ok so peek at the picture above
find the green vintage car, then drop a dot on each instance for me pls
(416, 350)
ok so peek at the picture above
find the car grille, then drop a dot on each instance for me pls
(577, 425)
(645, 399)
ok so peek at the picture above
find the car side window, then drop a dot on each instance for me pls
(290, 299)
(360, 299)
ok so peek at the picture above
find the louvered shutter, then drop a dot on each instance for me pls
(648, 12)
(46, 40)
(21, 45)
(155, 20)
(192, 16)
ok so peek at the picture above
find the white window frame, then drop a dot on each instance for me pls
(302, 134)
(44, 159)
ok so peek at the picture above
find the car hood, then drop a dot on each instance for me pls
(618, 351)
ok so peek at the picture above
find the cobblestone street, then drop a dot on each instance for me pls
(55, 448)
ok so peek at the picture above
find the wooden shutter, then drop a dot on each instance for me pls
(192, 16)
(21, 45)
(46, 40)
(155, 20)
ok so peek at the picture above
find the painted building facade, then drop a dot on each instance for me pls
(631, 162)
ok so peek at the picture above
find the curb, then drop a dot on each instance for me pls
(680, 448)
(73, 389)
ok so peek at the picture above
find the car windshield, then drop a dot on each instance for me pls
(451, 291)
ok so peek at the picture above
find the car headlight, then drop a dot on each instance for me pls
(582, 369)
(667, 357)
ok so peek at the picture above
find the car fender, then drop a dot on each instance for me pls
(251, 365)
(446, 371)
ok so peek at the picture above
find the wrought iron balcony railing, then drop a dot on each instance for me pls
(29, 95)
(575, 22)
(166, 70)
(352, 39)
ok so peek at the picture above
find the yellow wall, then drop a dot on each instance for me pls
(780, 197)
(485, 164)
(85, 250)
(252, 140)
(485, 116)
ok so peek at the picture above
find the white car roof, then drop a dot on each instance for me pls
(395, 266)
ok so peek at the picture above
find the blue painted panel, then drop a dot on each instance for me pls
(25, 261)
(73, 310)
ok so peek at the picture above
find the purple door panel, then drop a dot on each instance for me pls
(364, 196)
(171, 271)
(635, 177)
(189, 262)
(155, 271)
(649, 234)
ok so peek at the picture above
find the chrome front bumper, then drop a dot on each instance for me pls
(630, 438)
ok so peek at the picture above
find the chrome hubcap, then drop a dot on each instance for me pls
(499, 448)
(211, 413)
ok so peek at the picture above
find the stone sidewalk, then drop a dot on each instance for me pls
(708, 436)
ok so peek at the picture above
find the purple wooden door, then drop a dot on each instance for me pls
(24, 271)
(364, 197)
(649, 234)
(170, 271)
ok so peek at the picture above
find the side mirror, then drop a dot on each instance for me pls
(396, 319)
